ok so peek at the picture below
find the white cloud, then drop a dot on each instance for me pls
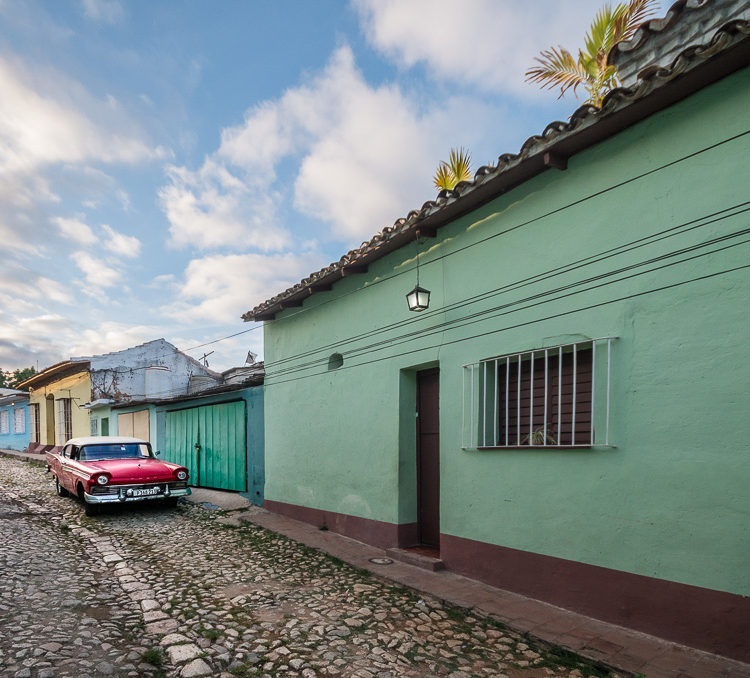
(111, 336)
(120, 244)
(40, 125)
(164, 280)
(106, 11)
(22, 284)
(48, 123)
(97, 273)
(487, 43)
(75, 230)
(213, 208)
(80, 233)
(364, 156)
(220, 288)
(50, 337)
(124, 199)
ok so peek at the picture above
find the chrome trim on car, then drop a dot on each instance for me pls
(120, 496)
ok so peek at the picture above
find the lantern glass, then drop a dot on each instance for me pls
(418, 299)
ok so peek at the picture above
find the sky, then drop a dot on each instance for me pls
(166, 166)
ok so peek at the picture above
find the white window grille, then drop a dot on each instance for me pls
(19, 421)
(63, 421)
(4, 422)
(94, 427)
(557, 396)
(35, 424)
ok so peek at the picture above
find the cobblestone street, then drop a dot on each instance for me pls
(148, 591)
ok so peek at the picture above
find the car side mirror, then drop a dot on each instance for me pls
(157, 453)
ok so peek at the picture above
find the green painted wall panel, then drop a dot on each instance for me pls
(669, 500)
(251, 429)
(220, 431)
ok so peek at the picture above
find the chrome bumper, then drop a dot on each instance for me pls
(121, 497)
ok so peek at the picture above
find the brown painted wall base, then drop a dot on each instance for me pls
(375, 532)
(714, 621)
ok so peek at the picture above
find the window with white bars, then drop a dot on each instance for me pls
(35, 424)
(4, 422)
(19, 421)
(556, 396)
(63, 421)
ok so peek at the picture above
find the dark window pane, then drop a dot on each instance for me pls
(559, 429)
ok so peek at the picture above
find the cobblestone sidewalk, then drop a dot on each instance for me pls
(146, 591)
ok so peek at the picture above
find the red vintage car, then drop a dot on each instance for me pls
(113, 470)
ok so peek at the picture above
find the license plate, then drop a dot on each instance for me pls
(146, 492)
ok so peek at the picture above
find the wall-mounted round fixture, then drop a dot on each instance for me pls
(335, 361)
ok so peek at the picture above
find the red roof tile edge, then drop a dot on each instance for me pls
(539, 148)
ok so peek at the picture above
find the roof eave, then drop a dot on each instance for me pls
(54, 372)
(658, 89)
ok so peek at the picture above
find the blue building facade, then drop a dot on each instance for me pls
(15, 422)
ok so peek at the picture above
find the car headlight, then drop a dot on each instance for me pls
(102, 480)
(181, 475)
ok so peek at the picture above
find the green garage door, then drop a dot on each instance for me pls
(210, 442)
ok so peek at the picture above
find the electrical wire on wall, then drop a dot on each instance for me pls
(530, 280)
(522, 324)
(742, 207)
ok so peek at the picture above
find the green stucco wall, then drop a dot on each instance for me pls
(670, 499)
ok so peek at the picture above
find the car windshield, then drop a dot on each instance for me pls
(115, 451)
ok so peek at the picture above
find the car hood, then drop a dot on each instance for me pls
(135, 470)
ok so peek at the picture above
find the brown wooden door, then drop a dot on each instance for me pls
(428, 457)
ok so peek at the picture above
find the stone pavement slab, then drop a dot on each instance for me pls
(198, 592)
(614, 646)
(228, 501)
(203, 592)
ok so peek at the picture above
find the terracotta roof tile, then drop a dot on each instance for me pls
(559, 140)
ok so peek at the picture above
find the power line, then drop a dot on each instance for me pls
(479, 242)
(270, 378)
(474, 318)
(679, 229)
(474, 244)
(230, 336)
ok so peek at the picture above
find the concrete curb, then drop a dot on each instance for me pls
(615, 647)
(23, 456)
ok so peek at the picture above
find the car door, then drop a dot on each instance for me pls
(54, 461)
(66, 477)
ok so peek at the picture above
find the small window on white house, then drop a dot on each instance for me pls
(4, 422)
(19, 421)
(94, 424)
(549, 397)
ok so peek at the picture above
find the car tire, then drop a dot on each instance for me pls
(88, 509)
(61, 491)
(171, 502)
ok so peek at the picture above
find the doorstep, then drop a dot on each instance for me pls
(427, 559)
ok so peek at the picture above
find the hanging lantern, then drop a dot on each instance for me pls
(418, 299)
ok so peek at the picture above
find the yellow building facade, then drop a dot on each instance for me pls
(56, 399)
